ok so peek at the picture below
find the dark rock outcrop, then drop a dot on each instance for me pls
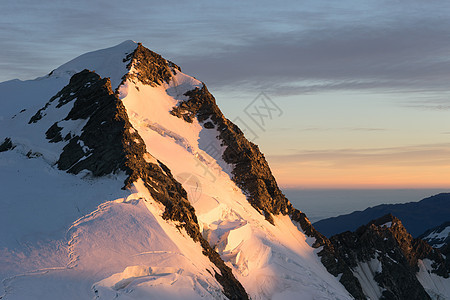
(53, 134)
(387, 241)
(329, 257)
(251, 171)
(149, 67)
(6, 145)
(252, 174)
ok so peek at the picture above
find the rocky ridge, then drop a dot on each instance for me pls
(339, 254)
(252, 174)
(416, 216)
(386, 240)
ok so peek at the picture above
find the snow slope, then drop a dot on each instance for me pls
(67, 235)
(272, 262)
(85, 237)
(437, 287)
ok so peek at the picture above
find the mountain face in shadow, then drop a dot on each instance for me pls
(417, 217)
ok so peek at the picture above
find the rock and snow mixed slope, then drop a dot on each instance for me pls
(390, 264)
(117, 182)
(439, 236)
(122, 179)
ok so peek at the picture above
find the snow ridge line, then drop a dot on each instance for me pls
(72, 256)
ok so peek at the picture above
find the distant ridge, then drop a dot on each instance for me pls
(417, 217)
(390, 264)
(439, 236)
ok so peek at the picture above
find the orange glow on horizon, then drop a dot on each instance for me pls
(383, 177)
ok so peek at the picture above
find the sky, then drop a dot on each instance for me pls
(337, 94)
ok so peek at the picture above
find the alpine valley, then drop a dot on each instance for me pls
(121, 179)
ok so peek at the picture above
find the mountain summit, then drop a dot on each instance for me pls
(121, 178)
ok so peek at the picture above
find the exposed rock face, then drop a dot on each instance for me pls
(387, 241)
(329, 256)
(150, 67)
(6, 145)
(252, 174)
(445, 250)
(53, 134)
(109, 144)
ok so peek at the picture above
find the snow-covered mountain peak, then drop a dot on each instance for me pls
(127, 114)
(110, 62)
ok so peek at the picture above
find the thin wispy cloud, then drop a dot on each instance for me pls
(418, 155)
(430, 106)
(406, 57)
(368, 129)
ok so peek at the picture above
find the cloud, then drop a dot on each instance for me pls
(431, 106)
(405, 56)
(412, 156)
(430, 101)
(368, 129)
(420, 166)
(39, 36)
(283, 49)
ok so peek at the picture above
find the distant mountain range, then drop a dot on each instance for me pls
(417, 217)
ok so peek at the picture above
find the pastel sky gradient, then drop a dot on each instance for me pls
(362, 86)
